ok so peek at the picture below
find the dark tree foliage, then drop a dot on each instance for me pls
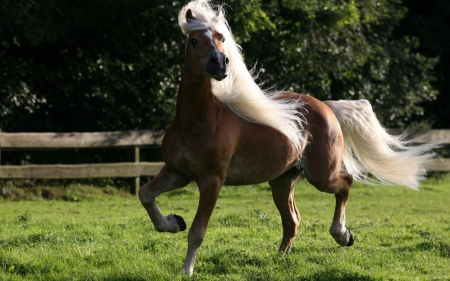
(343, 50)
(88, 65)
(115, 64)
(429, 21)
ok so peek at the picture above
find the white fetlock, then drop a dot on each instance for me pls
(185, 271)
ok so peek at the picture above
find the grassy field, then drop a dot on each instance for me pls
(400, 234)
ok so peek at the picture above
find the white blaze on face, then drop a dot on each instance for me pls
(209, 33)
(220, 58)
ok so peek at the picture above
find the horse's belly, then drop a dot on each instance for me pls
(253, 170)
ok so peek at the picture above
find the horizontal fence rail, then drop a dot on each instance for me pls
(425, 136)
(134, 139)
(80, 140)
(61, 171)
(31, 141)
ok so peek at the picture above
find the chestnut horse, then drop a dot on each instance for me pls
(227, 131)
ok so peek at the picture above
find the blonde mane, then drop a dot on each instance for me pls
(239, 91)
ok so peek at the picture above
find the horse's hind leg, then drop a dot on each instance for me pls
(283, 196)
(322, 161)
(338, 184)
(165, 181)
(340, 233)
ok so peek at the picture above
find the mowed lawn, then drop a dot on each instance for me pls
(400, 234)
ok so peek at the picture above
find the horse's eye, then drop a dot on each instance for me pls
(223, 40)
(194, 41)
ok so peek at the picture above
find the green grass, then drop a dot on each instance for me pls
(400, 234)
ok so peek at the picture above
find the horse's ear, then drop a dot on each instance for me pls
(216, 18)
(189, 16)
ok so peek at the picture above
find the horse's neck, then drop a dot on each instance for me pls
(196, 105)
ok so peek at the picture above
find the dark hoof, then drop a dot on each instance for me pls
(180, 222)
(351, 240)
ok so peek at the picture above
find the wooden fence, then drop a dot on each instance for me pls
(30, 141)
(134, 139)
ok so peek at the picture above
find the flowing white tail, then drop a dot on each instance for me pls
(369, 148)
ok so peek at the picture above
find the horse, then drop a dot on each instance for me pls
(227, 130)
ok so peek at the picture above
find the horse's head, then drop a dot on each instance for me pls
(205, 52)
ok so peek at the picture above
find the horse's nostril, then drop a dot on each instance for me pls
(227, 61)
(218, 60)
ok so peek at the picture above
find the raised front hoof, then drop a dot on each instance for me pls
(351, 240)
(178, 220)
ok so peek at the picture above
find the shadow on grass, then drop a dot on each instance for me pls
(122, 278)
(337, 275)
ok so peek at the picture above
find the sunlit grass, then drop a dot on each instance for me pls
(400, 234)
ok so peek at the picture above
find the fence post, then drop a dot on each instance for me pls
(137, 180)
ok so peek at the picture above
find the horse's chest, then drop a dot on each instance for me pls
(192, 157)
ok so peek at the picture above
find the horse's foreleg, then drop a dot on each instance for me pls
(283, 196)
(165, 181)
(209, 192)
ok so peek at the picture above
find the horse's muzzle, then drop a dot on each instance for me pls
(217, 66)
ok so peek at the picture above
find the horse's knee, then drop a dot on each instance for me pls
(145, 195)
